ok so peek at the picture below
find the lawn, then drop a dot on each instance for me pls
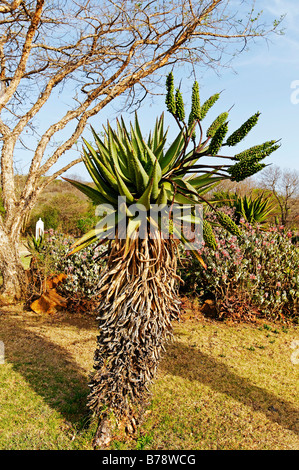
(220, 386)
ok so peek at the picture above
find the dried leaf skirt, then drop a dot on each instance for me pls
(139, 301)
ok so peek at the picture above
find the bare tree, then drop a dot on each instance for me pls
(284, 185)
(94, 52)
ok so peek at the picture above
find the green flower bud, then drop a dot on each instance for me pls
(179, 105)
(170, 100)
(258, 152)
(240, 133)
(208, 104)
(216, 124)
(195, 104)
(208, 235)
(217, 140)
(243, 169)
(227, 223)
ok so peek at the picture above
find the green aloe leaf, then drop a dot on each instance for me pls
(104, 171)
(172, 153)
(92, 193)
(103, 227)
(123, 189)
(102, 186)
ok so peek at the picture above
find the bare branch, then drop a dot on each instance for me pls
(97, 51)
(8, 7)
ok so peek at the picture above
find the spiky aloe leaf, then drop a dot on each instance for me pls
(158, 136)
(202, 182)
(101, 231)
(152, 186)
(152, 161)
(106, 158)
(145, 199)
(139, 174)
(95, 196)
(139, 149)
(107, 175)
(172, 153)
(123, 189)
(162, 197)
(115, 155)
(101, 185)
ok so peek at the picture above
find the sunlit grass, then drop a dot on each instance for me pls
(220, 386)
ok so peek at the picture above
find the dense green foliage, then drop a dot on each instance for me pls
(64, 209)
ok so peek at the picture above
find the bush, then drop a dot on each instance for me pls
(259, 271)
(83, 271)
(50, 216)
(63, 208)
(82, 268)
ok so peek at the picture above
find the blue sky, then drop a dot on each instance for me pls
(261, 79)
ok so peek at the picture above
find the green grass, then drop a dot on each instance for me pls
(220, 386)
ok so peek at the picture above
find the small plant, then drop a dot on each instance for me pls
(50, 257)
(83, 272)
(251, 209)
(254, 210)
(267, 327)
(35, 245)
(144, 441)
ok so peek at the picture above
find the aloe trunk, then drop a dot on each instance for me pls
(139, 300)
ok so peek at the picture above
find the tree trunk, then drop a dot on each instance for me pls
(13, 282)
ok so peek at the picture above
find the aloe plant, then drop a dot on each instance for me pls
(35, 245)
(139, 285)
(254, 210)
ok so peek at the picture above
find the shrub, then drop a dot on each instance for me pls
(51, 216)
(83, 271)
(82, 268)
(64, 209)
(259, 271)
